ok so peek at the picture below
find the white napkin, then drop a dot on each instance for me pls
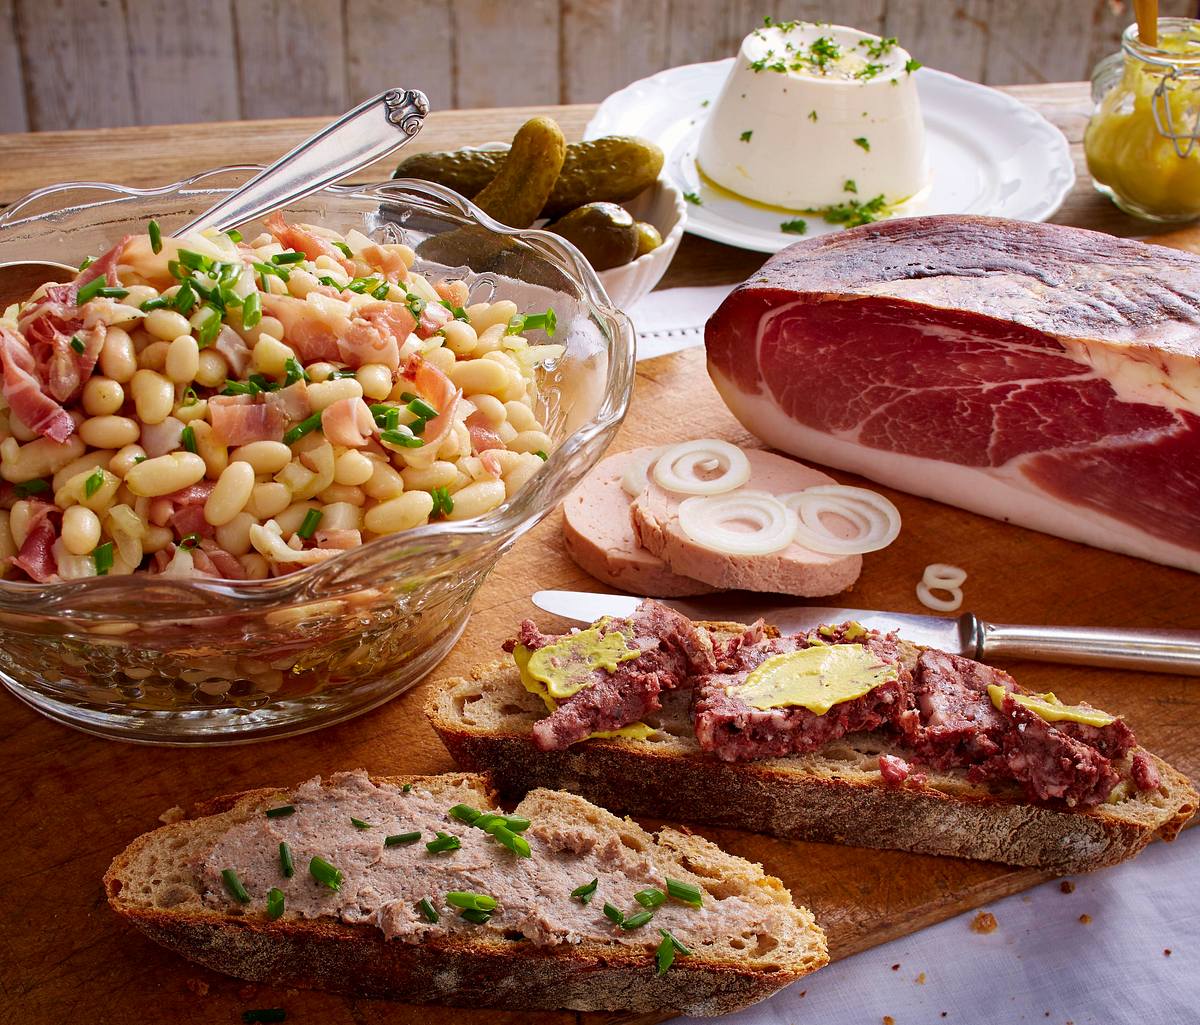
(1041, 958)
(673, 319)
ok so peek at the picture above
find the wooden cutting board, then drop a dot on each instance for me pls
(72, 802)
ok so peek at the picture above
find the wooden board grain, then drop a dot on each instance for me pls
(70, 802)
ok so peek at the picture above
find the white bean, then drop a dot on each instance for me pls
(264, 456)
(476, 499)
(165, 474)
(80, 530)
(400, 513)
(230, 494)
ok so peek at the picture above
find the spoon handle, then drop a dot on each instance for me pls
(359, 137)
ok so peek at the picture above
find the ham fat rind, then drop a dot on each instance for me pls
(1043, 375)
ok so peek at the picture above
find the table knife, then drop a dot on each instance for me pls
(1156, 651)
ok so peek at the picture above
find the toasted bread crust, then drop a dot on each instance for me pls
(359, 960)
(641, 778)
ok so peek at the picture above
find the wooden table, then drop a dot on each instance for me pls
(71, 802)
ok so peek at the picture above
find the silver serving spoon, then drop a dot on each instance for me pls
(358, 138)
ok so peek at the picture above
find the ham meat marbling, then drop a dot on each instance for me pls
(1039, 374)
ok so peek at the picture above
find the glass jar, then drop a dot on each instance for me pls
(1142, 140)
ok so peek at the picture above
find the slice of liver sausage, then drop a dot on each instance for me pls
(598, 535)
(795, 570)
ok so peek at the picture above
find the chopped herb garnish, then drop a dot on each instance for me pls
(268, 270)
(324, 873)
(421, 408)
(812, 115)
(190, 398)
(234, 235)
(746, 135)
(705, 103)
(586, 891)
(264, 1015)
(187, 438)
(466, 900)
(94, 482)
(294, 371)
(407, 788)
(195, 261)
(651, 897)
(282, 812)
(399, 839)
(312, 520)
(77, 344)
(87, 262)
(850, 186)
(465, 813)
(102, 558)
(89, 291)
(286, 865)
(685, 893)
(155, 233)
(357, 823)
(427, 910)
(693, 198)
(796, 226)
(283, 259)
(869, 71)
(139, 459)
(382, 291)
(443, 504)
(547, 322)
(157, 303)
(513, 841)
(637, 921)
(614, 914)
(472, 915)
(274, 903)
(241, 388)
(667, 950)
(400, 435)
(862, 142)
(458, 311)
(444, 842)
(251, 310)
(210, 325)
(185, 298)
(854, 213)
(234, 885)
(31, 487)
(542, 455)
(517, 823)
(911, 65)
(344, 249)
(876, 48)
(305, 426)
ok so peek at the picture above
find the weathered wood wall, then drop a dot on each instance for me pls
(93, 63)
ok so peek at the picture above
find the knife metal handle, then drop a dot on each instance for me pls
(1155, 651)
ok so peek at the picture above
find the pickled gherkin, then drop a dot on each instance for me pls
(521, 187)
(604, 232)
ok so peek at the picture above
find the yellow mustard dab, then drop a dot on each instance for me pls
(815, 678)
(1048, 707)
(1126, 151)
(564, 668)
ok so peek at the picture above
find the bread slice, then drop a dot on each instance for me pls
(156, 885)
(834, 795)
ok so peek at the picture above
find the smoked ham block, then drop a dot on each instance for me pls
(1042, 375)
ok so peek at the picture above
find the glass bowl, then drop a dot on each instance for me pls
(157, 660)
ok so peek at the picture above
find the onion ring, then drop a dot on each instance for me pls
(676, 468)
(702, 519)
(942, 577)
(633, 480)
(927, 598)
(874, 517)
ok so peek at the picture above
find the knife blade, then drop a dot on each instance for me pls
(1150, 650)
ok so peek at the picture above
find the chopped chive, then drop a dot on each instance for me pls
(428, 912)
(473, 915)
(269, 270)
(283, 259)
(391, 419)
(325, 279)
(442, 502)
(311, 520)
(325, 873)
(30, 487)
(282, 812)
(465, 813)
(513, 841)
(138, 459)
(89, 291)
(274, 903)
(398, 839)
(693, 198)
(547, 322)
(251, 310)
(77, 344)
(241, 388)
(185, 298)
(305, 426)
(102, 558)
(157, 303)
(422, 409)
(87, 262)
(234, 885)
(850, 186)
(746, 136)
(234, 235)
(195, 261)
(667, 950)
(475, 901)
(187, 438)
(344, 249)
(155, 233)
(286, 865)
(358, 823)
(210, 325)
(294, 369)
(407, 788)
(863, 143)
(637, 921)
(113, 292)
(382, 291)
(542, 455)
(264, 1015)
(614, 914)
(517, 823)
(650, 897)
(401, 436)
(445, 842)
(684, 892)
(94, 482)
(586, 891)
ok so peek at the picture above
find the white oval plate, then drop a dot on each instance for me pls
(990, 153)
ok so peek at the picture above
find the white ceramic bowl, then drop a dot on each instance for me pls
(663, 206)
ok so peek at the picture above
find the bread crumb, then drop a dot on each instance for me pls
(895, 968)
(1085, 919)
(984, 922)
(197, 986)
(803, 992)
(1166, 952)
(1067, 886)
(921, 979)
(888, 1020)
(171, 816)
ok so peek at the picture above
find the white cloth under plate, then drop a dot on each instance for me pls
(1112, 970)
(673, 318)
